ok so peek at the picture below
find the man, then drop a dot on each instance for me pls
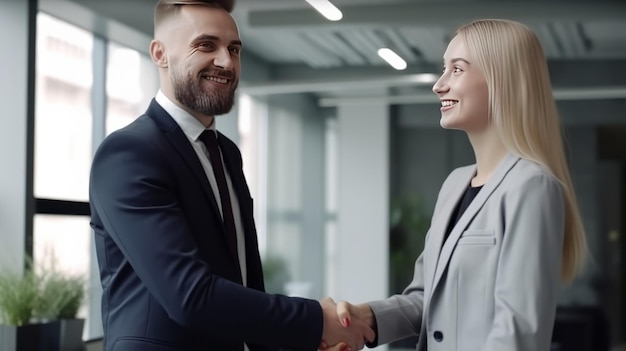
(172, 214)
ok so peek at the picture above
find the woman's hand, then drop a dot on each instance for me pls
(345, 313)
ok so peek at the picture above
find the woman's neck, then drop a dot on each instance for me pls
(489, 152)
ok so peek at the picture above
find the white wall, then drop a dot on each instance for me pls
(363, 186)
(16, 94)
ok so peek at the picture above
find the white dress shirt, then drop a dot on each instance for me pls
(192, 129)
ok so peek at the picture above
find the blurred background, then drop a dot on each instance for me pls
(343, 152)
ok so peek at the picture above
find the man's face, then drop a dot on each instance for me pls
(204, 64)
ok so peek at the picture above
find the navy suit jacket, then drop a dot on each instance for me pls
(169, 281)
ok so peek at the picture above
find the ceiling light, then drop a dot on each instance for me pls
(327, 9)
(392, 58)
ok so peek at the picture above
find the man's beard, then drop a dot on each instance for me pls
(189, 92)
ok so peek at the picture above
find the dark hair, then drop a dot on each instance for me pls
(167, 8)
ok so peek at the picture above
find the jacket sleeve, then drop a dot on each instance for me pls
(528, 273)
(400, 316)
(133, 191)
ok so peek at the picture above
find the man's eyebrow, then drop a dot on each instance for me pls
(216, 38)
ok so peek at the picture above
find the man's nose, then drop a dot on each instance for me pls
(223, 59)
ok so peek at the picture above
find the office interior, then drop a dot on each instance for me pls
(343, 153)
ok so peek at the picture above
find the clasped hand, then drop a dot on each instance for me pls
(346, 326)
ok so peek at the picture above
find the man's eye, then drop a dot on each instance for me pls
(235, 50)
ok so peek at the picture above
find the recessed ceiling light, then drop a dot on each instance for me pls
(392, 58)
(327, 9)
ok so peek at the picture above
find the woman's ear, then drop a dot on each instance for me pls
(157, 53)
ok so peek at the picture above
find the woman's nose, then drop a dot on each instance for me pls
(440, 86)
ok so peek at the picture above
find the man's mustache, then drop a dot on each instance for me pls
(220, 73)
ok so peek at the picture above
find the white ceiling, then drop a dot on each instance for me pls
(290, 31)
(420, 30)
(587, 36)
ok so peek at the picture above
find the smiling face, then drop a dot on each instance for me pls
(199, 49)
(462, 90)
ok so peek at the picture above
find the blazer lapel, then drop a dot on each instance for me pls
(476, 204)
(440, 224)
(181, 143)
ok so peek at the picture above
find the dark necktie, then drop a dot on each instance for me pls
(209, 138)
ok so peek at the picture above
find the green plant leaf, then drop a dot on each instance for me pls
(18, 294)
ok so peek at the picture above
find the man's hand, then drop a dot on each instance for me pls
(341, 326)
(342, 346)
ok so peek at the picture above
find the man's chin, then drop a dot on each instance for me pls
(220, 110)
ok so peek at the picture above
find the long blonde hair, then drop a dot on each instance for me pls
(523, 110)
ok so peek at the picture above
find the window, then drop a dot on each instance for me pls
(71, 64)
(63, 139)
(66, 240)
(131, 84)
(63, 115)
(295, 201)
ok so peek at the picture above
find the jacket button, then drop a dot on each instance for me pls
(438, 336)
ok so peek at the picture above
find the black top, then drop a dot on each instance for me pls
(469, 195)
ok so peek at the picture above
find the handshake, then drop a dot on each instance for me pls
(347, 327)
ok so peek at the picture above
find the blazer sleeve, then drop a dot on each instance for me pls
(528, 273)
(132, 188)
(400, 316)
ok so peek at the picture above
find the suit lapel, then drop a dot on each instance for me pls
(236, 175)
(476, 204)
(233, 165)
(181, 144)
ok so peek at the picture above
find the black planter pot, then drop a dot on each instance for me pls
(61, 335)
(22, 338)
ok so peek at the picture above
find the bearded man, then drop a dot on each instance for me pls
(172, 214)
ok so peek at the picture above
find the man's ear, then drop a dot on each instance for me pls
(158, 54)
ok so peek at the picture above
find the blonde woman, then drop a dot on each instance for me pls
(506, 232)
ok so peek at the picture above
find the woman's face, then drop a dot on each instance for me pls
(462, 90)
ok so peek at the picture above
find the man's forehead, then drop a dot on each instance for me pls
(205, 19)
(224, 4)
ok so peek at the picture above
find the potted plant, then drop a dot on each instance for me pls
(407, 232)
(38, 310)
(18, 294)
(275, 274)
(60, 297)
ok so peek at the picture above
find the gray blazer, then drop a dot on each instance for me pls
(493, 284)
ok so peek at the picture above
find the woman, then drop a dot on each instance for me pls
(505, 231)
